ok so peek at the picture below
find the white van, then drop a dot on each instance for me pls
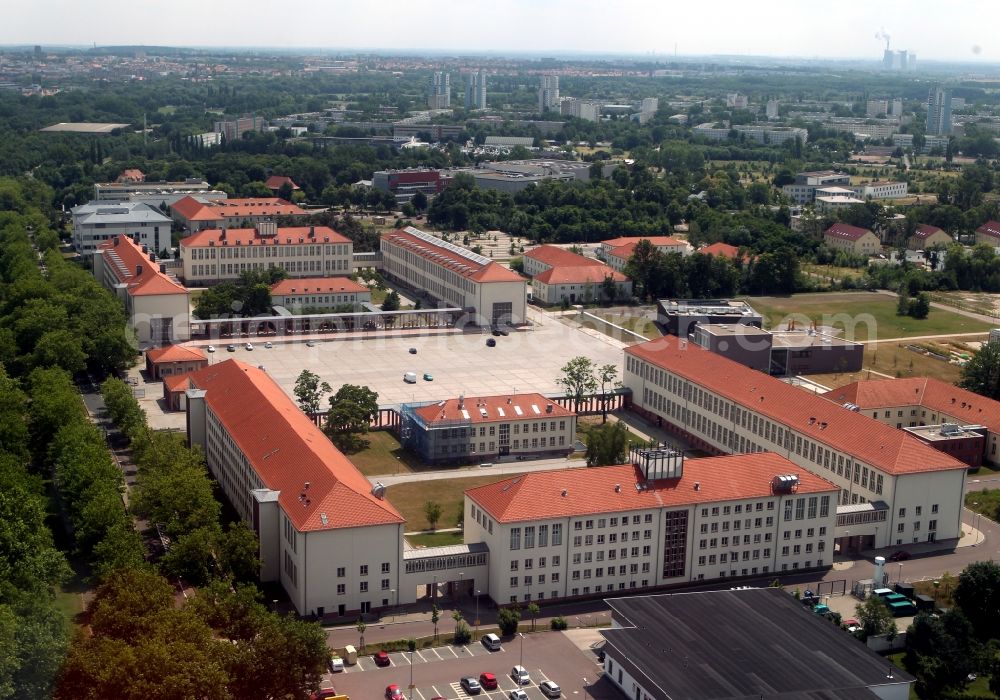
(410, 377)
(491, 642)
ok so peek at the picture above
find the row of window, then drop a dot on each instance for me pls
(265, 251)
(362, 586)
(536, 427)
(736, 525)
(734, 557)
(589, 523)
(588, 540)
(536, 443)
(529, 536)
(363, 570)
(623, 553)
(530, 563)
(290, 266)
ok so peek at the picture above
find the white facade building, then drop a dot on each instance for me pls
(217, 255)
(548, 93)
(455, 276)
(97, 222)
(880, 190)
(886, 477)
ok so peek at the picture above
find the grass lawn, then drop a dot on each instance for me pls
(833, 271)
(862, 315)
(409, 498)
(978, 689)
(643, 325)
(986, 502)
(437, 539)
(584, 424)
(384, 455)
(895, 360)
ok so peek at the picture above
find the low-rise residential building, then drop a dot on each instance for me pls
(827, 205)
(852, 239)
(658, 521)
(170, 360)
(97, 222)
(583, 283)
(455, 276)
(218, 255)
(653, 652)
(616, 252)
(680, 316)
(197, 213)
(894, 489)
(880, 189)
(919, 401)
(406, 183)
(276, 182)
(724, 250)
(926, 237)
(482, 428)
(156, 305)
(320, 293)
(545, 257)
(762, 134)
(989, 234)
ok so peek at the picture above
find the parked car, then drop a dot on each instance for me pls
(491, 641)
(470, 685)
(550, 689)
(900, 555)
(428, 377)
(381, 658)
(392, 692)
(336, 664)
(491, 342)
(211, 348)
(323, 694)
(413, 351)
(231, 348)
(519, 674)
(518, 695)
(488, 680)
(249, 346)
(310, 343)
(268, 345)
(496, 331)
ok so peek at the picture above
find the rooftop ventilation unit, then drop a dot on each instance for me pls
(785, 483)
(378, 490)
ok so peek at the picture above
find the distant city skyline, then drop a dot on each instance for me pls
(959, 31)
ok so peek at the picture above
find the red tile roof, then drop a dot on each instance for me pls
(579, 275)
(126, 257)
(631, 240)
(193, 209)
(317, 285)
(458, 262)
(290, 235)
(497, 408)
(287, 450)
(539, 495)
(275, 182)
(924, 231)
(177, 382)
(721, 250)
(990, 228)
(175, 353)
(556, 256)
(846, 232)
(625, 251)
(132, 175)
(933, 394)
(867, 440)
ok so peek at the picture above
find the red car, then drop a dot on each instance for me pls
(393, 692)
(901, 555)
(381, 658)
(488, 681)
(323, 694)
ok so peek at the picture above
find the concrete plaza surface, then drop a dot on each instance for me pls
(461, 363)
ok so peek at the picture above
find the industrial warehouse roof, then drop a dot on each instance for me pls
(319, 487)
(451, 257)
(812, 416)
(487, 409)
(742, 645)
(134, 269)
(932, 394)
(290, 235)
(576, 492)
(118, 213)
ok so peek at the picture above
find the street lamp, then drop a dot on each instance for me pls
(393, 591)
(411, 673)
(461, 581)
(584, 689)
(477, 616)
(434, 591)
(978, 520)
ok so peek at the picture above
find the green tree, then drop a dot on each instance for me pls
(391, 302)
(921, 306)
(874, 616)
(982, 373)
(309, 391)
(238, 553)
(609, 288)
(607, 375)
(641, 267)
(352, 410)
(976, 594)
(607, 444)
(419, 201)
(903, 304)
(577, 379)
(533, 610)
(435, 617)
(432, 511)
(508, 620)
(942, 651)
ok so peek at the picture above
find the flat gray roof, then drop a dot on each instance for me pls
(803, 339)
(741, 644)
(730, 329)
(84, 127)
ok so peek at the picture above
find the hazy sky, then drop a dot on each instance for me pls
(934, 29)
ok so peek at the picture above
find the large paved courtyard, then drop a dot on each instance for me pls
(460, 363)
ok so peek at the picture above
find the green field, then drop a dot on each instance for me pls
(384, 455)
(861, 315)
(409, 498)
(436, 539)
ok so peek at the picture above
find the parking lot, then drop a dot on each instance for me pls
(437, 672)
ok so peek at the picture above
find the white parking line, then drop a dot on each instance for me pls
(436, 691)
(421, 655)
(434, 649)
(466, 649)
(417, 691)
